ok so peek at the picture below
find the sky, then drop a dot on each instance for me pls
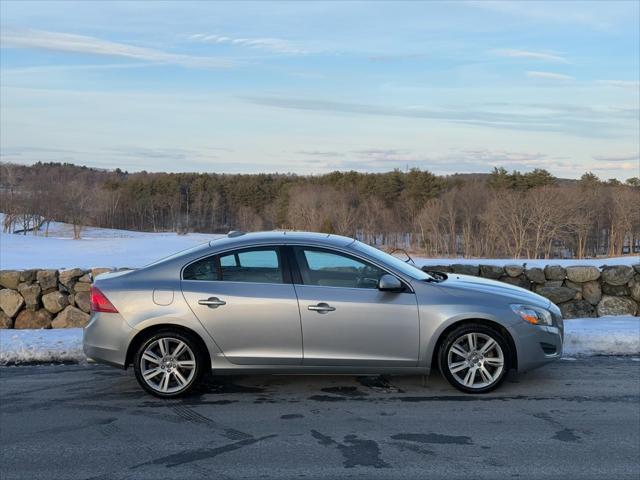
(312, 87)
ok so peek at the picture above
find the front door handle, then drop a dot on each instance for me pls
(212, 302)
(321, 308)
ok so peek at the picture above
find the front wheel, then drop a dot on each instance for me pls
(474, 358)
(168, 364)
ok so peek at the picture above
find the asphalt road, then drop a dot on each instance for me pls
(571, 419)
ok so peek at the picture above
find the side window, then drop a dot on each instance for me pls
(257, 265)
(331, 269)
(204, 269)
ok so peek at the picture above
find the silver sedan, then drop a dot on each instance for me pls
(292, 302)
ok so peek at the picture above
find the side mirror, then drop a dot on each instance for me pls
(389, 283)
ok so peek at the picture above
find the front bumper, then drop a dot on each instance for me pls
(106, 338)
(538, 345)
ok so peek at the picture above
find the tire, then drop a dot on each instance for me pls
(164, 374)
(474, 358)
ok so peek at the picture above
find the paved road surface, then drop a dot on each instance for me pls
(573, 419)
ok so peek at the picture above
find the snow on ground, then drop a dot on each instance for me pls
(99, 247)
(585, 336)
(596, 262)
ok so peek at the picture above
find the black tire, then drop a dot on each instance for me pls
(481, 331)
(172, 336)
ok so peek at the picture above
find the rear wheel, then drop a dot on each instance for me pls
(169, 364)
(474, 358)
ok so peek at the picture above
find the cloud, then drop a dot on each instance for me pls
(550, 76)
(71, 43)
(630, 157)
(549, 57)
(276, 45)
(632, 85)
(589, 123)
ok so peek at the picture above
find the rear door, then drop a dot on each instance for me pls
(247, 303)
(346, 320)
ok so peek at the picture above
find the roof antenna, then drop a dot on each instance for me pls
(235, 233)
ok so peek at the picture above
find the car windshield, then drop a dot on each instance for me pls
(406, 268)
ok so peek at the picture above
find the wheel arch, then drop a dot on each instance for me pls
(145, 333)
(513, 352)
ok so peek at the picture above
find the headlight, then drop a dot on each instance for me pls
(534, 315)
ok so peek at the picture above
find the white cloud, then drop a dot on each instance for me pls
(549, 57)
(625, 157)
(276, 45)
(66, 42)
(549, 76)
(632, 85)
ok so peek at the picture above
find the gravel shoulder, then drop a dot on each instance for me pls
(575, 419)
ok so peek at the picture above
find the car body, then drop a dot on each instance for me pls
(295, 302)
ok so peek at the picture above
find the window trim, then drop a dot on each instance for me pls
(283, 261)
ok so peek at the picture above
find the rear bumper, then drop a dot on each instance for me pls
(106, 338)
(538, 345)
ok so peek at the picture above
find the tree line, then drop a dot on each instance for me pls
(502, 214)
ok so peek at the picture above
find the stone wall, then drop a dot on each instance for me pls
(60, 298)
(46, 298)
(579, 291)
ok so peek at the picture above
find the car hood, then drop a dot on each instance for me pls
(463, 284)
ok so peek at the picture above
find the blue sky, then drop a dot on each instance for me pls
(313, 87)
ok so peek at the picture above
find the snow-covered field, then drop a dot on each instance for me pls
(104, 247)
(99, 247)
(588, 336)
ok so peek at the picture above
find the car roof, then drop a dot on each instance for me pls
(286, 237)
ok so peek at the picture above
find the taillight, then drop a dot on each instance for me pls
(100, 303)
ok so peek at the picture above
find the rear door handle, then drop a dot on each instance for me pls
(321, 308)
(212, 302)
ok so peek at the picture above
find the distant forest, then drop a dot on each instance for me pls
(502, 214)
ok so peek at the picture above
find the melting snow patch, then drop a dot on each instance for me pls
(41, 346)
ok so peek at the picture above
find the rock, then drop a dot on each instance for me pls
(97, 271)
(592, 292)
(10, 279)
(491, 271)
(10, 301)
(634, 290)
(575, 286)
(577, 309)
(618, 275)
(5, 320)
(68, 277)
(72, 299)
(28, 276)
(520, 281)
(426, 268)
(636, 267)
(47, 279)
(557, 294)
(514, 270)
(83, 301)
(31, 294)
(553, 283)
(70, 317)
(582, 273)
(535, 275)
(554, 272)
(615, 290)
(465, 269)
(86, 278)
(55, 301)
(33, 319)
(616, 306)
(82, 287)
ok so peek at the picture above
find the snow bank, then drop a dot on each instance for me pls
(587, 336)
(41, 346)
(501, 262)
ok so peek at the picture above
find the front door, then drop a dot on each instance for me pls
(346, 320)
(245, 300)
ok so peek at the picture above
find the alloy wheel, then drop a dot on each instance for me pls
(167, 365)
(475, 360)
